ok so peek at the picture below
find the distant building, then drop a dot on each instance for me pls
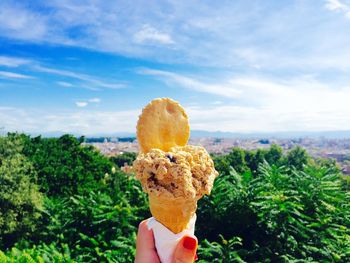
(126, 139)
(264, 141)
(340, 157)
(346, 170)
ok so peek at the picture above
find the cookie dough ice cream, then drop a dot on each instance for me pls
(184, 171)
(173, 177)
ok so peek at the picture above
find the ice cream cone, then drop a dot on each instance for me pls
(173, 213)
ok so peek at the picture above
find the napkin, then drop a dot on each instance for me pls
(165, 240)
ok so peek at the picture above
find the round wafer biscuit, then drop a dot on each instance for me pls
(162, 124)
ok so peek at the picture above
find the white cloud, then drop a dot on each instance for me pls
(266, 119)
(193, 84)
(336, 5)
(311, 107)
(81, 104)
(13, 61)
(151, 35)
(90, 81)
(79, 122)
(12, 75)
(84, 103)
(294, 105)
(95, 100)
(306, 108)
(64, 84)
(18, 22)
(263, 35)
(260, 40)
(262, 104)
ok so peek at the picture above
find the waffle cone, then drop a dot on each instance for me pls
(173, 213)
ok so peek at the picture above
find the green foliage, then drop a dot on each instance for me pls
(265, 206)
(96, 226)
(346, 182)
(274, 155)
(228, 201)
(20, 200)
(65, 166)
(100, 226)
(221, 164)
(124, 158)
(236, 159)
(293, 215)
(38, 254)
(297, 158)
(222, 251)
(254, 159)
(302, 210)
(249, 161)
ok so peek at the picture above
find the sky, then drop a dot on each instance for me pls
(89, 67)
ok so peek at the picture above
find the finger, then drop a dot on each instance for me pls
(145, 239)
(185, 251)
(145, 247)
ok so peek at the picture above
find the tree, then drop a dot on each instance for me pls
(20, 200)
(297, 158)
(236, 159)
(221, 164)
(281, 215)
(124, 158)
(274, 155)
(254, 159)
(65, 166)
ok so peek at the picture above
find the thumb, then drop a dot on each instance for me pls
(185, 251)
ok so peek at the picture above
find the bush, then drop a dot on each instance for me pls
(65, 166)
(38, 254)
(264, 207)
(20, 200)
(124, 158)
(248, 161)
(282, 215)
(100, 225)
(297, 158)
(221, 251)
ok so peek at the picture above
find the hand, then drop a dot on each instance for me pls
(146, 252)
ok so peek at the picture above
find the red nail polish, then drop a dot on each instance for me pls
(195, 257)
(189, 243)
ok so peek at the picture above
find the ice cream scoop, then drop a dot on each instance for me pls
(174, 181)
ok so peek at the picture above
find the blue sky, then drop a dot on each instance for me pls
(88, 67)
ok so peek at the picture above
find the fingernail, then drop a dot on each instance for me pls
(190, 243)
(195, 257)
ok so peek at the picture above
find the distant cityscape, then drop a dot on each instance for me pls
(335, 148)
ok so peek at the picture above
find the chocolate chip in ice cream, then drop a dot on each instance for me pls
(171, 158)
